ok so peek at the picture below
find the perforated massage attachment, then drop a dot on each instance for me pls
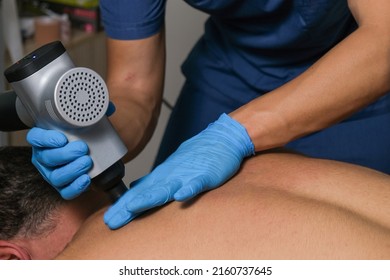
(82, 97)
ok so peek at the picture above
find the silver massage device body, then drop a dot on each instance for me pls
(52, 93)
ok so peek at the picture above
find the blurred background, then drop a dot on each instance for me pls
(26, 25)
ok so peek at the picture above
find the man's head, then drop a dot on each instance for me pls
(35, 222)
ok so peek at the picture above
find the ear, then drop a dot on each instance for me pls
(11, 251)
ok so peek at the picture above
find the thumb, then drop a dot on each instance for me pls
(191, 189)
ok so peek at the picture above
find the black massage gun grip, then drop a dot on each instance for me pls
(117, 191)
(110, 181)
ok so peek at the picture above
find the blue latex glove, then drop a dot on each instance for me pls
(202, 163)
(63, 165)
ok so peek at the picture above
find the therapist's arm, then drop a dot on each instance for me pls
(350, 76)
(135, 81)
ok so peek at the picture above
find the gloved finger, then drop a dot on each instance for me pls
(153, 196)
(119, 219)
(63, 155)
(117, 215)
(110, 109)
(66, 174)
(192, 188)
(42, 169)
(118, 206)
(43, 138)
(141, 182)
(133, 202)
(76, 188)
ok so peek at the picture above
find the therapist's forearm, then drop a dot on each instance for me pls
(352, 75)
(135, 80)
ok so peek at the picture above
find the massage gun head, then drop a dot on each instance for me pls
(55, 94)
(81, 97)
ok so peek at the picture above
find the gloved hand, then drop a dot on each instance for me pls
(201, 163)
(63, 165)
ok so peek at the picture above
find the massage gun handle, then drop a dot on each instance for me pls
(9, 118)
(110, 181)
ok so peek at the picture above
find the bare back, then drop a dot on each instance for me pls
(279, 206)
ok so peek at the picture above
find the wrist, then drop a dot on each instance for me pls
(236, 133)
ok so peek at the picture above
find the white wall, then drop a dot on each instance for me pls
(184, 25)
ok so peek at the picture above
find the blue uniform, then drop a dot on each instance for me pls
(248, 49)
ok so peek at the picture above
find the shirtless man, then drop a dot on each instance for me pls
(35, 222)
(279, 206)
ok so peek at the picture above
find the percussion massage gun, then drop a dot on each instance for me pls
(51, 93)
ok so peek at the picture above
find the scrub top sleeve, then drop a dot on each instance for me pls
(135, 19)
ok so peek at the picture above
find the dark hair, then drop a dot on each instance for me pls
(27, 201)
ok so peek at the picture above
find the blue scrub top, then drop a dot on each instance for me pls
(264, 43)
(250, 47)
